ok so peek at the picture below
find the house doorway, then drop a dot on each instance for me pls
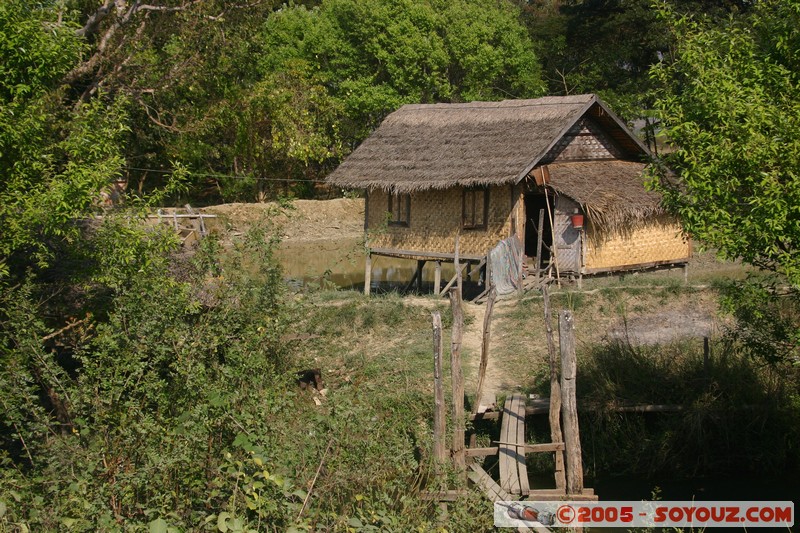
(533, 204)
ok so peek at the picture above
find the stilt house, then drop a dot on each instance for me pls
(563, 174)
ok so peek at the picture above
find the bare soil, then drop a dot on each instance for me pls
(666, 325)
(299, 220)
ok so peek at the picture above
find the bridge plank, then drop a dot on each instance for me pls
(492, 490)
(495, 493)
(509, 474)
(522, 467)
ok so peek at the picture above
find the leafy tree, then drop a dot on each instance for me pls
(285, 96)
(608, 46)
(121, 386)
(729, 101)
(186, 70)
(374, 56)
(730, 105)
(253, 97)
(600, 46)
(54, 159)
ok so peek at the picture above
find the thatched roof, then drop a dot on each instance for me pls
(435, 146)
(611, 192)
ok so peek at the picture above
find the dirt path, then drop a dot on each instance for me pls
(495, 380)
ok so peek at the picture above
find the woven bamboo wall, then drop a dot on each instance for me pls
(656, 241)
(435, 220)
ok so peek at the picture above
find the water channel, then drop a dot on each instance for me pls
(340, 264)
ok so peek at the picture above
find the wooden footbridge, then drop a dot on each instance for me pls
(510, 447)
(512, 451)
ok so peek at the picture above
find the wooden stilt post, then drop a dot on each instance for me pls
(540, 236)
(437, 279)
(569, 407)
(415, 278)
(420, 266)
(439, 415)
(459, 455)
(488, 274)
(555, 392)
(487, 322)
(458, 273)
(368, 274)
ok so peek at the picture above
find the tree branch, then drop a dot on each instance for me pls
(157, 118)
(166, 9)
(123, 14)
(65, 328)
(94, 20)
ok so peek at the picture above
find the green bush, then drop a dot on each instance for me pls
(766, 317)
(161, 409)
(737, 412)
(173, 405)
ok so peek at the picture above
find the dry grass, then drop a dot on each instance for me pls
(519, 348)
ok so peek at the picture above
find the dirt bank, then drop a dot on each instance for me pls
(300, 220)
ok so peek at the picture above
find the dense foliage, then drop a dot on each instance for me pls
(53, 159)
(730, 105)
(608, 47)
(177, 407)
(260, 100)
(126, 417)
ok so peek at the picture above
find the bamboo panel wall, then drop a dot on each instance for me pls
(436, 218)
(566, 239)
(653, 242)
